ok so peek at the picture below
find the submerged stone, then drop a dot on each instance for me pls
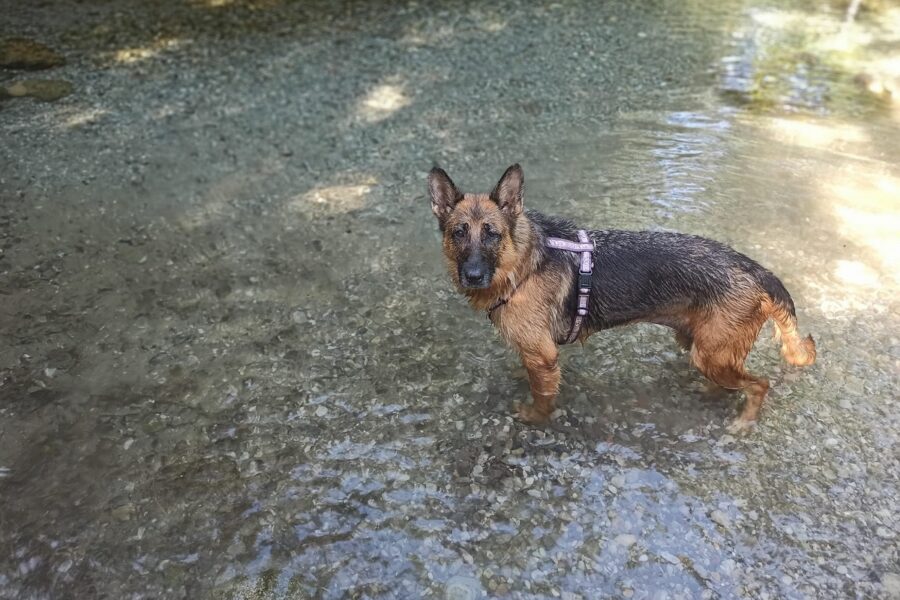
(720, 518)
(891, 583)
(23, 53)
(626, 540)
(463, 588)
(45, 90)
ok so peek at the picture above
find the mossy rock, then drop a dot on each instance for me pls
(22, 53)
(45, 90)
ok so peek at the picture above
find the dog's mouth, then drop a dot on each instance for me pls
(475, 281)
(477, 284)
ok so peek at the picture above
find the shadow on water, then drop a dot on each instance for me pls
(235, 366)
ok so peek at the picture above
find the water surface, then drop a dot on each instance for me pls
(233, 366)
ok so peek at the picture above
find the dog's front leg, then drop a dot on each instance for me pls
(542, 362)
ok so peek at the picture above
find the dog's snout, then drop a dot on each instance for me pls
(473, 272)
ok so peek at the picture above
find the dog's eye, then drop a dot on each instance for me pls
(490, 233)
(459, 233)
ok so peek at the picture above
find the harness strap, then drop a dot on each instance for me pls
(585, 247)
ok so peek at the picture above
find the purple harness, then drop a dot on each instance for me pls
(585, 247)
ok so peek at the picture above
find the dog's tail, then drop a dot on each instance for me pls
(779, 307)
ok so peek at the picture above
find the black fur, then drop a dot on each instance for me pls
(640, 274)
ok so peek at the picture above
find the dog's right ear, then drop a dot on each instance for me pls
(444, 194)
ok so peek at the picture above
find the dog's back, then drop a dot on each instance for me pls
(715, 298)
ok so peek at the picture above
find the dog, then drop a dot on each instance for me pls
(544, 283)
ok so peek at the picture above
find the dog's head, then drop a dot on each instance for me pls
(477, 228)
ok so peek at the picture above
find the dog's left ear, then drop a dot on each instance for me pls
(510, 191)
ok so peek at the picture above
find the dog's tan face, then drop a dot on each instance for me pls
(477, 228)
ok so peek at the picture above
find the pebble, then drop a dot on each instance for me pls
(854, 385)
(625, 540)
(891, 583)
(720, 518)
(463, 588)
(670, 558)
(123, 512)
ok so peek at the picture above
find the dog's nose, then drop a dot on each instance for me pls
(473, 273)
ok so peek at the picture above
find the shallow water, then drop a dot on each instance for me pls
(233, 366)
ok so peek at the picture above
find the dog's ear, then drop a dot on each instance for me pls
(444, 194)
(510, 191)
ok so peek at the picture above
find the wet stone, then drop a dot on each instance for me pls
(855, 386)
(45, 90)
(463, 588)
(123, 512)
(720, 518)
(726, 439)
(23, 53)
(670, 558)
(626, 540)
(891, 583)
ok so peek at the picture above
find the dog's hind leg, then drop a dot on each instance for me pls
(754, 388)
(719, 353)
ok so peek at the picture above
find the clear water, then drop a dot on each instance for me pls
(233, 366)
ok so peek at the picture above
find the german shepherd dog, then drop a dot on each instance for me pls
(714, 298)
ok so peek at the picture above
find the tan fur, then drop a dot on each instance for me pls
(721, 340)
(718, 338)
(526, 323)
(530, 320)
(477, 209)
(796, 350)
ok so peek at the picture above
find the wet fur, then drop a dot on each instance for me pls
(714, 298)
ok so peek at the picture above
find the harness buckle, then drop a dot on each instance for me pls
(584, 280)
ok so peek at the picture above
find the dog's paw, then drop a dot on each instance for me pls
(528, 414)
(740, 425)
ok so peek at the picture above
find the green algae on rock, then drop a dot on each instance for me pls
(23, 53)
(45, 90)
